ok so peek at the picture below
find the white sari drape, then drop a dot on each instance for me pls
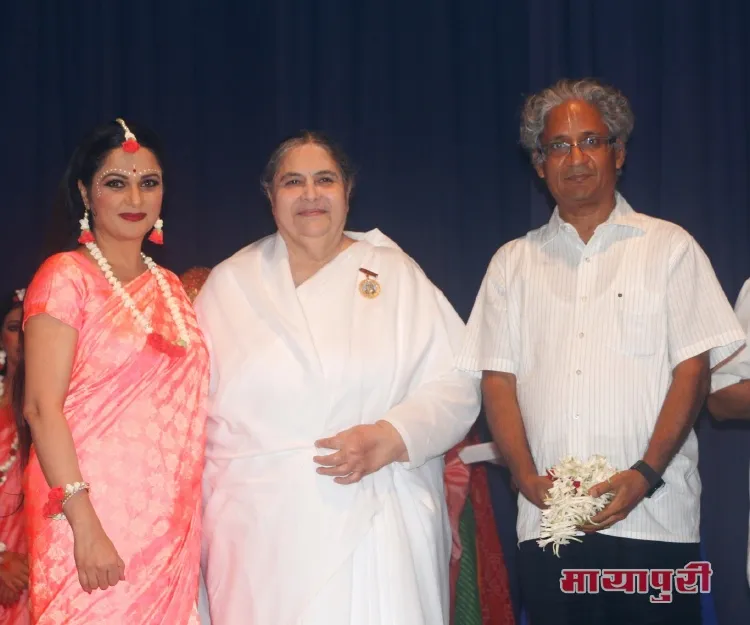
(282, 544)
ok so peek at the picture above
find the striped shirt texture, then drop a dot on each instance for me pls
(592, 332)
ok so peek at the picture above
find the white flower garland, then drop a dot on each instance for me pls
(174, 309)
(569, 503)
(6, 466)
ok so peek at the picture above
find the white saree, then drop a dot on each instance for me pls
(283, 545)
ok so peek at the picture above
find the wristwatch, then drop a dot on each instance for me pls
(652, 477)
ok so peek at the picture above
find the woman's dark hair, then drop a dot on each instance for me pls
(306, 137)
(7, 305)
(86, 160)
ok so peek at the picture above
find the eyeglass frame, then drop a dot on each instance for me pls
(607, 141)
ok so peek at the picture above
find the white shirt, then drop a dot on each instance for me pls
(721, 379)
(592, 333)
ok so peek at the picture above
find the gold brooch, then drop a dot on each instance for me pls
(369, 287)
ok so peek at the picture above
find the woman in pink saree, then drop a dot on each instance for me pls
(116, 376)
(14, 569)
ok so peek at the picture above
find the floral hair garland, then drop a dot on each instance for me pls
(130, 145)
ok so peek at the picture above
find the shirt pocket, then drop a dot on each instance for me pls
(638, 327)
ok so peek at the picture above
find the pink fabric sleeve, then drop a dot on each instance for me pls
(57, 289)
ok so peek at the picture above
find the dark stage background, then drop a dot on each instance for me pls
(425, 96)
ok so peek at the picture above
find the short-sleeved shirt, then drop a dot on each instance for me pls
(592, 332)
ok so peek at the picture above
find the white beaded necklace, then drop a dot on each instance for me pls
(179, 320)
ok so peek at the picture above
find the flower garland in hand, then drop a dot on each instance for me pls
(569, 503)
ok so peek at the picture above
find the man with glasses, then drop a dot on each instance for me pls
(595, 334)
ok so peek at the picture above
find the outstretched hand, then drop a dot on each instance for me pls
(360, 451)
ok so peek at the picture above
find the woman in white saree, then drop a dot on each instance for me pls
(333, 397)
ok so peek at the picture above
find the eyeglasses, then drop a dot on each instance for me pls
(589, 144)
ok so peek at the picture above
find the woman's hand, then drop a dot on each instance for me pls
(14, 572)
(8, 596)
(361, 450)
(97, 560)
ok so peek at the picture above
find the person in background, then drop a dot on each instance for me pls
(14, 568)
(730, 391)
(480, 586)
(193, 280)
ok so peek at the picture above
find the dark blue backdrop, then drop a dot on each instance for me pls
(425, 96)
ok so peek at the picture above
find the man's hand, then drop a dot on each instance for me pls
(535, 489)
(629, 488)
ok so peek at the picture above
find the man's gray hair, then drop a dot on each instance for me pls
(613, 106)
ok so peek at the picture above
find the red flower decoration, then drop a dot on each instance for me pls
(130, 146)
(54, 502)
(86, 237)
(156, 236)
(160, 344)
(577, 484)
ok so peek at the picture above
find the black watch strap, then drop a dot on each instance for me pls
(652, 477)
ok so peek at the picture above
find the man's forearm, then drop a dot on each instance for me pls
(690, 383)
(506, 423)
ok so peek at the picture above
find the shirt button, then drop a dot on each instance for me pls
(588, 260)
(578, 372)
(580, 335)
(576, 415)
(584, 298)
